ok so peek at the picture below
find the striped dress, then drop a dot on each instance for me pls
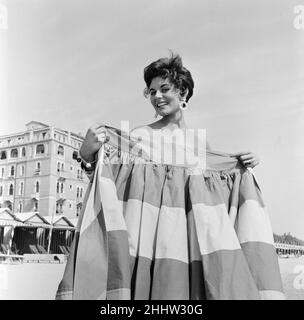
(158, 231)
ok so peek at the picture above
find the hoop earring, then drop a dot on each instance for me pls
(183, 105)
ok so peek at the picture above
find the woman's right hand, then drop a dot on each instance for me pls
(94, 139)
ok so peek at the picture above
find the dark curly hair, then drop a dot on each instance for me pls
(173, 69)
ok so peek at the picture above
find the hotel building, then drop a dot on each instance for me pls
(39, 173)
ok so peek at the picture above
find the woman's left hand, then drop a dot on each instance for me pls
(248, 159)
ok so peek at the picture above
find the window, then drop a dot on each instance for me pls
(43, 135)
(2, 172)
(22, 170)
(62, 167)
(23, 152)
(1, 191)
(21, 188)
(36, 206)
(11, 190)
(59, 207)
(14, 153)
(60, 150)
(9, 205)
(40, 149)
(77, 192)
(71, 187)
(70, 206)
(58, 166)
(78, 209)
(57, 188)
(12, 171)
(37, 187)
(3, 155)
(38, 166)
(80, 192)
(61, 190)
(20, 207)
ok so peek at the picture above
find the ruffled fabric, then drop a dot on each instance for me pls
(158, 231)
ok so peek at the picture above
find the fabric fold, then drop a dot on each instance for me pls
(159, 231)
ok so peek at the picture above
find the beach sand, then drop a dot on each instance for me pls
(292, 271)
(39, 281)
(30, 281)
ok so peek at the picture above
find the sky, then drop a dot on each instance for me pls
(73, 63)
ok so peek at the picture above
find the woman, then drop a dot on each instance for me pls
(170, 87)
(152, 229)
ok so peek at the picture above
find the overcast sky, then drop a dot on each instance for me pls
(71, 63)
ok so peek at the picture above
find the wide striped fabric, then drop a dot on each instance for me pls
(159, 231)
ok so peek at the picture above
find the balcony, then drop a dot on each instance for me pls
(62, 174)
(62, 179)
(35, 196)
(8, 198)
(37, 172)
(60, 197)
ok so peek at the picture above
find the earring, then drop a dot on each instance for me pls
(156, 115)
(183, 105)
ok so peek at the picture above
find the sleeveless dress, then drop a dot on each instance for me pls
(154, 230)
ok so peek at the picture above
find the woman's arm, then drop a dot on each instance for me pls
(248, 159)
(94, 139)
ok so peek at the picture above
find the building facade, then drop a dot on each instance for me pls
(38, 172)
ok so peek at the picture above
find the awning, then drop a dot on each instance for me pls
(36, 225)
(33, 219)
(12, 223)
(63, 228)
(60, 222)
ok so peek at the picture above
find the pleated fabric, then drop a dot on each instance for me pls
(158, 231)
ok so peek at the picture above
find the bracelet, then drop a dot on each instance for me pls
(86, 166)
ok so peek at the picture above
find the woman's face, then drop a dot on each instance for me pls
(164, 97)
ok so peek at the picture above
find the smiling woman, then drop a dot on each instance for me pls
(169, 85)
(154, 229)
